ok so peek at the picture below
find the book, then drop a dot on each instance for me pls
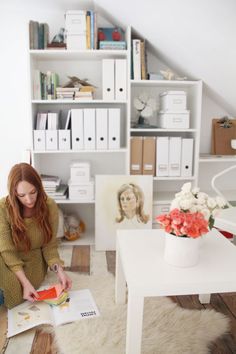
(112, 45)
(79, 305)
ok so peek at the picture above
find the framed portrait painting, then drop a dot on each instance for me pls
(122, 202)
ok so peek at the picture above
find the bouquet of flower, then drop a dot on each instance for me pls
(192, 213)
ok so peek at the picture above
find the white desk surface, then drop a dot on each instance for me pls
(226, 220)
(147, 274)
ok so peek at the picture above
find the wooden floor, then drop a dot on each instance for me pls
(80, 262)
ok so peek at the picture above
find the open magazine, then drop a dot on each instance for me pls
(79, 305)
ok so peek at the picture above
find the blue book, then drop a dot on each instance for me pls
(110, 34)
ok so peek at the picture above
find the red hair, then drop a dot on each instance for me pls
(25, 172)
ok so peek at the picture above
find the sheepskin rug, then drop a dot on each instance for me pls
(167, 328)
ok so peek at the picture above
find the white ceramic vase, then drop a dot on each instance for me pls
(181, 251)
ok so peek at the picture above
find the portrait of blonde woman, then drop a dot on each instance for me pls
(122, 202)
(130, 198)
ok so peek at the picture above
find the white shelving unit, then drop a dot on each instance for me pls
(88, 63)
(166, 187)
(83, 64)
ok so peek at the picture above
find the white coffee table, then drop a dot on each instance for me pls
(140, 264)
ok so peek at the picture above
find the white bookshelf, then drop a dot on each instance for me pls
(83, 64)
(88, 64)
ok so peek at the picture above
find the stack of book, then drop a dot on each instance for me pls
(85, 93)
(53, 187)
(66, 93)
(45, 85)
(111, 38)
(38, 35)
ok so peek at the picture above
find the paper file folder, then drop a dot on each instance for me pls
(39, 140)
(113, 128)
(149, 155)
(101, 128)
(136, 155)
(64, 139)
(89, 129)
(187, 158)
(162, 156)
(108, 79)
(174, 156)
(120, 79)
(51, 139)
(77, 128)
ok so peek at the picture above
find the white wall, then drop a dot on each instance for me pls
(192, 35)
(15, 131)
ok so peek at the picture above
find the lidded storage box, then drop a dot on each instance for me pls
(174, 120)
(79, 171)
(173, 101)
(82, 190)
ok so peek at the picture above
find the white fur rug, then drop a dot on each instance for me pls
(167, 328)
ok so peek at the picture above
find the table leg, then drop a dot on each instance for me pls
(204, 298)
(120, 286)
(134, 324)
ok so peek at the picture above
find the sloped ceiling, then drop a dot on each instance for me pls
(195, 38)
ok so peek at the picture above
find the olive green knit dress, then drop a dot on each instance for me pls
(34, 262)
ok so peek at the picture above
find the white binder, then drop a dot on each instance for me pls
(174, 156)
(77, 129)
(108, 79)
(162, 156)
(187, 157)
(101, 128)
(64, 139)
(113, 128)
(51, 139)
(89, 128)
(120, 79)
(39, 140)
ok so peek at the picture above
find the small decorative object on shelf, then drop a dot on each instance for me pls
(191, 216)
(145, 106)
(58, 41)
(73, 227)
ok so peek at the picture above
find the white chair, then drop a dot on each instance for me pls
(226, 220)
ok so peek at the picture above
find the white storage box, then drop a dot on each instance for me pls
(173, 101)
(81, 191)
(159, 210)
(76, 41)
(75, 22)
(174, 120)
(79, 172)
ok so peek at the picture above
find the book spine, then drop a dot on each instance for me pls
(136, 59)
(31, 34)
(88, 30)
(92, 30)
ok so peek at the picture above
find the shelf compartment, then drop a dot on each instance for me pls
(86, 239)
(217, 158)
(48, 152)
(71, 201)
(170, 178)
(77, 102)
(160, 130)
(163, 83)
(62, 54)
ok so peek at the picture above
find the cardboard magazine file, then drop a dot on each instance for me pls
(221, 137)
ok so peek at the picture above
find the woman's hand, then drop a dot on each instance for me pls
(64, 279)
(29, 292)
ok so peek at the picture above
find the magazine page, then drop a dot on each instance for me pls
(79, 305)
(28, 315)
